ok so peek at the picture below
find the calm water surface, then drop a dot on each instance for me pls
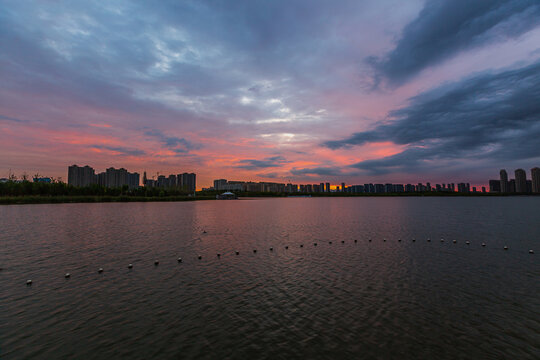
(364, 300)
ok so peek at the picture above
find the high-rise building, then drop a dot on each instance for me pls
(535, 176)
(342, 187)
(115, 178)
(219, 184)
(327, 187)
(494, 186)
(187, 181)
(162, 181)
(81, 175)
(173, 181)
(521, 181)
(133, 180)
(321, 187)
(512, 186)
(110, 178)
(504, 181)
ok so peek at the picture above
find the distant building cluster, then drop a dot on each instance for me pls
(113, 178)
(225, 185)
(82, 176)
(185, 181)
(519, 184)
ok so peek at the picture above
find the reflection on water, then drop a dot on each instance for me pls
(397, 300)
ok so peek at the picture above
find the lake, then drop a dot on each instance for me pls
(398, 296)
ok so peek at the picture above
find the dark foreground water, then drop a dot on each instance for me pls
(364, 300)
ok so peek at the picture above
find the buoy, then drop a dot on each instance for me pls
(100, 270)
(483, 244)
(218, 254)
(237, 252)
(399, 240)
(130, 266)
(343, 241)
(204, 232)
(428, 240)
(413, 240)
(467, 242)
(179, 259)
(156, 262)
(301, 245)
(286, 247)
(28, 282)
(505, 248)
(271, 249)
(442, 240)
(369, 240)
(330, 242)
(531, 251)
(254, 251)
(384, 239)
(200, 257)
(454, 241)
(314, 244)
(355, 241)
(67, 275)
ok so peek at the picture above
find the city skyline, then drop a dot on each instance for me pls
(278, 91)
(83, 176)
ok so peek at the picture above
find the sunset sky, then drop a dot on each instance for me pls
(306, 91)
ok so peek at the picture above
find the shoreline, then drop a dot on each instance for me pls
(22, 200)
(27, 200)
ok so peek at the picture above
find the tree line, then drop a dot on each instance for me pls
(58, 188)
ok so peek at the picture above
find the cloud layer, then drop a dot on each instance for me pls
(446, 28)
(493, 116)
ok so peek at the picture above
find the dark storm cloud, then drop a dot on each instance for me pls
(122, 150)
(12, 119)
(253, 164)
(328, 171)
(444, 28)
(173, 143)
(490, 116)
(270, 175)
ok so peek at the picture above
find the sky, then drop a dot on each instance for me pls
(303, 91)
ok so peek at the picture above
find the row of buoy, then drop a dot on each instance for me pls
(156, 262)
